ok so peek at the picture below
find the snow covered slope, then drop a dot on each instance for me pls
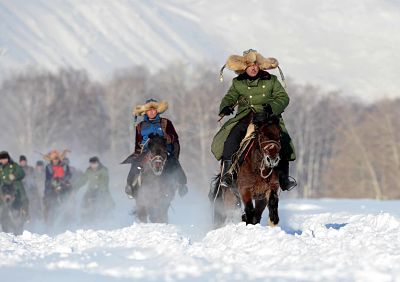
(315, 242)
(346, 45)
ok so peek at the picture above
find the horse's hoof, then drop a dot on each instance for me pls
(271, 224)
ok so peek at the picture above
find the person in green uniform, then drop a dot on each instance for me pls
(254, 91)
(11, 174)
(97, 200)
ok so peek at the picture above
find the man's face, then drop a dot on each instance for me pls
(94, 166)
(39, 168)
(22, 163)
(152, 113)
(3, 161)
(252, 70)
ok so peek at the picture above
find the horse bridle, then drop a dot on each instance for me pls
(157, 159)
(267, 162)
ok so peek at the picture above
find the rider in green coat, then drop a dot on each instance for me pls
(12, 174)
(254, 90)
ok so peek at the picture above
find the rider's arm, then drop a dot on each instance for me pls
(230, 98)
(82, 180)
(19, 173)
(174, 139)
(280, 98)
(68, 174)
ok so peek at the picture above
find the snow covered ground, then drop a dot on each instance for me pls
(318, 240)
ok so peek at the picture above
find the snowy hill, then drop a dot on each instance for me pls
(320, 240)
(351, 46)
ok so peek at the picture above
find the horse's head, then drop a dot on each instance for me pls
(8, 194)
(269, 143)
(157, 153)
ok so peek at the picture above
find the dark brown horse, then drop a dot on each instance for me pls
(257, 178)
(157, 188)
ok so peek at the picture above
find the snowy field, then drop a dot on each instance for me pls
(318, 240)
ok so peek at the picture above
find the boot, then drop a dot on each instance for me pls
(226, 176)
(132, 182)
(286, 182)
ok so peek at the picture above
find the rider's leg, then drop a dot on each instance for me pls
(231, 146)
(176, 169)
(285, 181)
(132, 179)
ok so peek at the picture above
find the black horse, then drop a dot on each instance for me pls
(155, 187)
(11, 216)
(57, 199)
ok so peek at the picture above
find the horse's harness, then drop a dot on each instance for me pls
(267, 162)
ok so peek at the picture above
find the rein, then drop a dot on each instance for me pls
(266, 161)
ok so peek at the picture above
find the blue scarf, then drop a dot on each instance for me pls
(150, 127)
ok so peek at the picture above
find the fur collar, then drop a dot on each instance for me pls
(263, 75)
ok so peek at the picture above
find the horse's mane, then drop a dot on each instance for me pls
(157, 140)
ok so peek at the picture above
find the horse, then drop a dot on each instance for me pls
(156, 187)
(256, 176)
(57, 202)
(11, 216)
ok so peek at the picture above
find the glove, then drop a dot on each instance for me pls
(182, 190)
(226, 111)
(263, 116)
(268, 109)
(11, 177)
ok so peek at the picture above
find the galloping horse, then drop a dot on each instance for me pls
(257, 178)
(156, 188)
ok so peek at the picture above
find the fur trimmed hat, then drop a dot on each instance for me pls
(239, 64)
(4, 155)
(54, 155)
(160, 107)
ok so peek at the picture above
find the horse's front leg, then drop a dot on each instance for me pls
(273, 201)
(260, 207)
(249, 212)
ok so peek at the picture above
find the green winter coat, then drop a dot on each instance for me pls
(250, 95)
(97, 179)
(14, 169)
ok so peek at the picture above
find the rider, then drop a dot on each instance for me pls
(254, 90)
(12, 174)
(97, 196)
(153, 123)
(58, 176)
(31, 188)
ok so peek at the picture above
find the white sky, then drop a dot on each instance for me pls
(344, 45)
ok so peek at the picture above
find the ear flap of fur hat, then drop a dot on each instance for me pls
(160, 107)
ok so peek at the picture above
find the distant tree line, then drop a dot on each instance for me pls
(345, 148)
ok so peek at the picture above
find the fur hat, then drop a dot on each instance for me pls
(160, 107)
(94, 159)
(5, 155)
(239, 64)
(53, 155)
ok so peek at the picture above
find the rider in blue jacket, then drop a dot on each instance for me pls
(154, 124)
